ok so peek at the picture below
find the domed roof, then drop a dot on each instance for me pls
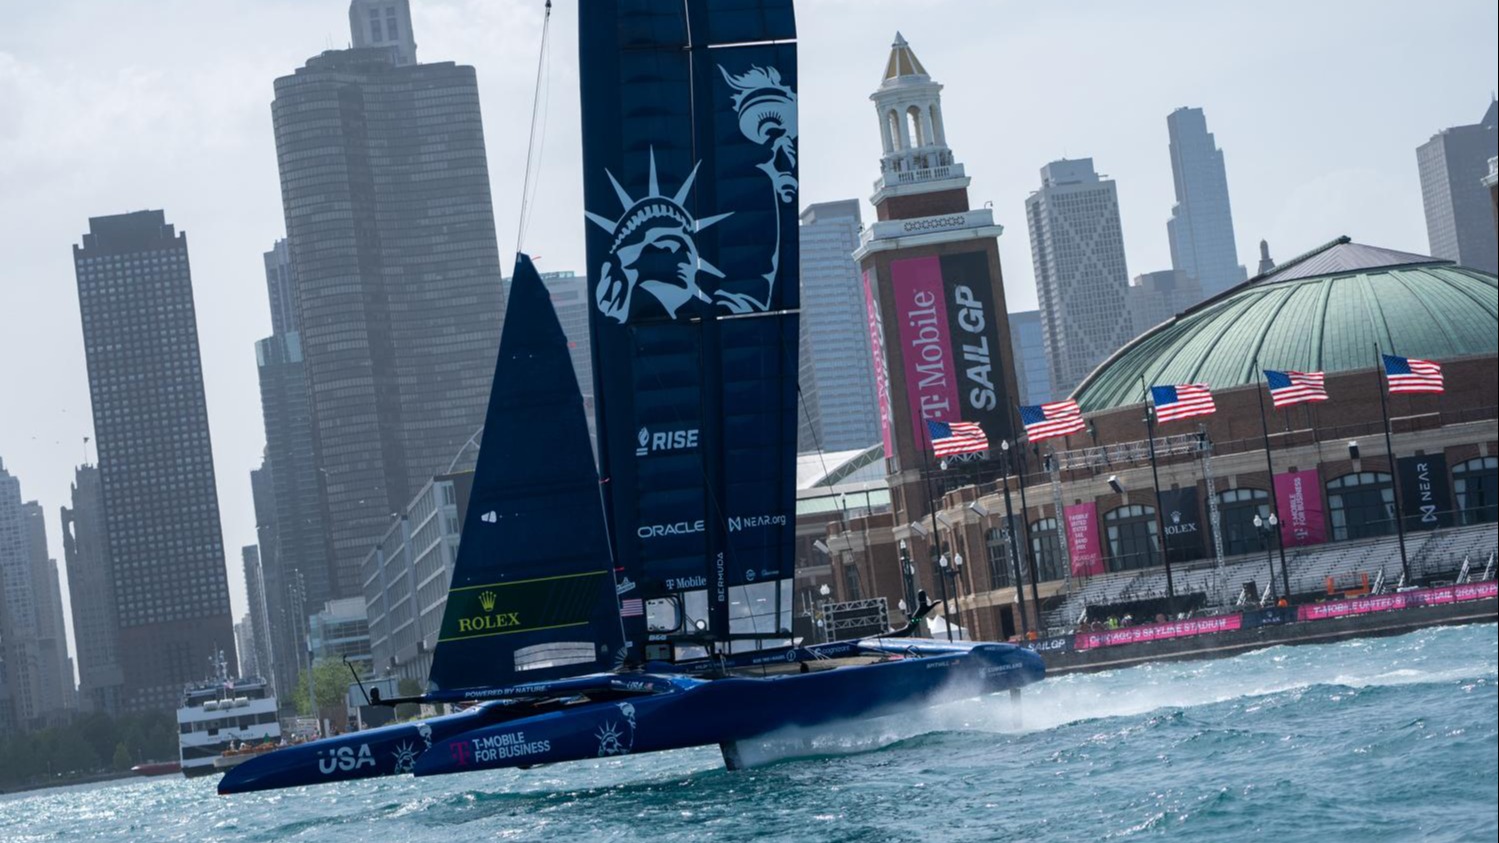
(1325, 311)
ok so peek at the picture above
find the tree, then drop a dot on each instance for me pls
(122, 757)
(331, 679)
(408, 687)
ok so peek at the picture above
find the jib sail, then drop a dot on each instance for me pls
(533, 594)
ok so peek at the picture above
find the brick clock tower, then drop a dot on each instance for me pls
(936, 302)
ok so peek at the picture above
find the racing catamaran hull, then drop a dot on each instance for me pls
(638, 713)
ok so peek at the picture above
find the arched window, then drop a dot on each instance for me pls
(1134, 540)
(1236, 511)
(1046, 549)
(1476, 483)
(1361, 505)
(999, 558)
(893, 128)
(916, 126)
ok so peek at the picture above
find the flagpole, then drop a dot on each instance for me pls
(1285, 575)
(1025, 531)
(1389, 446)
(1156, 479)
(936, 540)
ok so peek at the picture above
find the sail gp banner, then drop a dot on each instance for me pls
(949, 342)
(1157, 631)
(1400, 600)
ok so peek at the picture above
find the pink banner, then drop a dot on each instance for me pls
(921, 312)
(881, 374)
(1082, 540)
(1157, 631)
(1399, 600)
(1298, 497)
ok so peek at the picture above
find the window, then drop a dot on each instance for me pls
(999, 558)
(851, 587)
(1476, 483)
(1361, 505)
(1236, 511)
(1133, 537)
(1047, 550)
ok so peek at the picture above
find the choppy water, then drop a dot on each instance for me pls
(1386, 739)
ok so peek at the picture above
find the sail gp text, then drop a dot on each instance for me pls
(510, 745)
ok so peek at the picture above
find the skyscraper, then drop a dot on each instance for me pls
(1031, 372)
(96, 631)
(19, 645)
(384, 24)
(1459, 219)
(837, 370)
(1157, 296)
(392, 239)
(58, 691)
(1077, 245)
(1201, 227)
(161, 508)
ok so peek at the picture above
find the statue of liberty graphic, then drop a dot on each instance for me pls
(653, 264)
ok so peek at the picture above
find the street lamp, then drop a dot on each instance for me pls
(951, 568)
(1267, 526)
(908, 573)
(824, 623)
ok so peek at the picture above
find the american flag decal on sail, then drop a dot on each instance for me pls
(632, 607)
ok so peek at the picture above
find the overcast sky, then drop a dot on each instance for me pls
(108, 106)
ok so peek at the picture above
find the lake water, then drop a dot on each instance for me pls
(1380, 739)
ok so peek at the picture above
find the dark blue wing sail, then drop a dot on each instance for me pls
(690, 190)
(533, 592)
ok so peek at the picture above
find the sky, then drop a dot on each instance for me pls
(109, 106)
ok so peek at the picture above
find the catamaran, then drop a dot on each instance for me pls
(643, 603)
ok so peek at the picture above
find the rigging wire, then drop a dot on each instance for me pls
(540, 94)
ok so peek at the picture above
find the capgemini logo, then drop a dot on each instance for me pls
(486, 600)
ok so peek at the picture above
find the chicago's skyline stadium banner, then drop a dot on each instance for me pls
(691, 200)
(950, 345)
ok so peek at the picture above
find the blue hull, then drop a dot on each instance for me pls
(668, 712)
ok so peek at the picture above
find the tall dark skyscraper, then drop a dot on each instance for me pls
(1201, 227)
(1459, 220)
(397, 276)
(140, 338)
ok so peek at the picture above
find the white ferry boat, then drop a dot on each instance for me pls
(224, 714)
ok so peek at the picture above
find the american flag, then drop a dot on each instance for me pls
(1407, 374)
(950, 438)
(1182, 401)
(1288, 388)
(1048, 421)
(632, 607)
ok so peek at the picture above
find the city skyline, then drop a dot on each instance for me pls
(231, 130)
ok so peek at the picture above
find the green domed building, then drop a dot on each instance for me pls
(1333, 310)
(1325, 311)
